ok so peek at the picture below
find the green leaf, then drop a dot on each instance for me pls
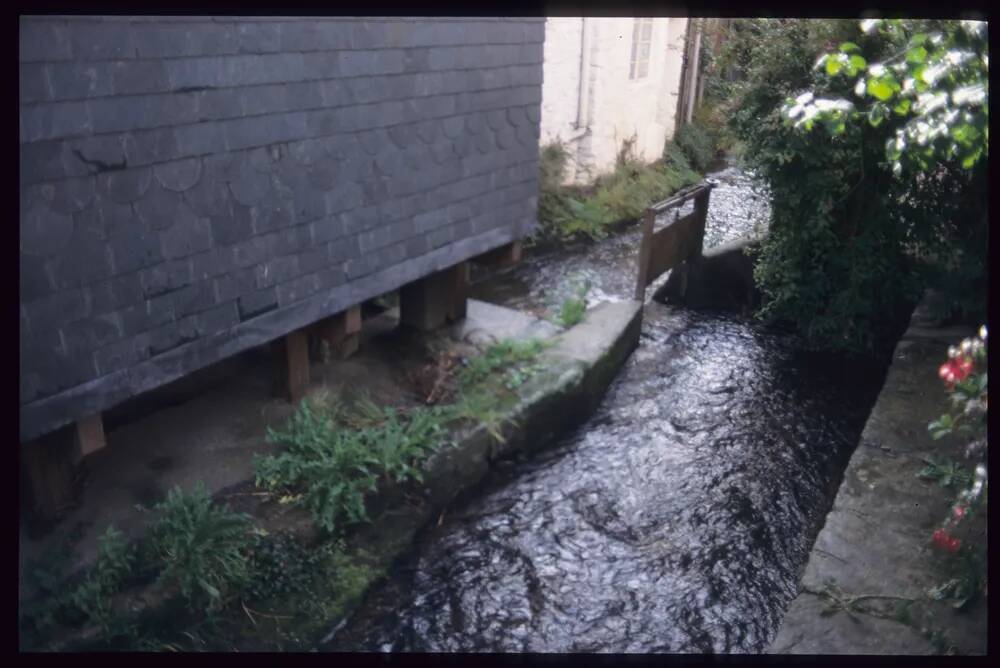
(832, 66)
(847, 47)
(903, 107)
(916, 55)
(880, 88)
(857, 62)
(876, 115)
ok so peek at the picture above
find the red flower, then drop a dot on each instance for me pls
(946, 541)
(957, 369)
(959, 512)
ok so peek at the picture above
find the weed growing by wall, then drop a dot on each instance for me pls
(574, 307)
(203, 548)
(88, 602)
(697, 145)
(567, 212)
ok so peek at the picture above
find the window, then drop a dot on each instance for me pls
(642, 37)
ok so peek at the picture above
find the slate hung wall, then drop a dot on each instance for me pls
(193, 187)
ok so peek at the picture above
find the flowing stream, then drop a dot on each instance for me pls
(676, 519)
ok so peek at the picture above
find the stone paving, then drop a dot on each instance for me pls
(876, 540)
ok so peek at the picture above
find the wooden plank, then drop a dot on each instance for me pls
(681, 196)
(644, 250)
(673, 244)
(458, 278)
(701, 208)
(89, 435)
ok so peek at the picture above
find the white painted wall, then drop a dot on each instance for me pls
(616, 108)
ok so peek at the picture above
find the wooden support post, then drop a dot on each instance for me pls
(340, 334)
(499, 258)
(436, 299)
(458, 278)
(701, 206)
(50, 464)
(291, 357)
(48, 468)
(644, 253)
(88, 436)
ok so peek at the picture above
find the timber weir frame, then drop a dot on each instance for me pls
(679, 240)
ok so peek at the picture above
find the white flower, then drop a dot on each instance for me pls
(982, 332)
(969, 95)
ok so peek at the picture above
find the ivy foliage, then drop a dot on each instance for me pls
(850, 241)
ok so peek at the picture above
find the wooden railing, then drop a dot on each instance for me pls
(675, 242)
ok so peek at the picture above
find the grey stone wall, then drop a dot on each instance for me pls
(192, 187)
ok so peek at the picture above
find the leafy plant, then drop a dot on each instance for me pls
(965, 378)
(203, 548)
(500, 355)
(280, 565)
(479, 407)
(571, 212)
(936, 81)
(849, 241)
(946, 473)
(885, 200)
(574, 307)
(114, 564)
(697, 145)
(332, 468)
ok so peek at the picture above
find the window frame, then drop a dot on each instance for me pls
(642, 48)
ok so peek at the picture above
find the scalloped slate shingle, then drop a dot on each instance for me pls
(191, 187)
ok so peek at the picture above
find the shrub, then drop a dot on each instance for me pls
(965, 378)
(847, 230)
(622, 195)
(281, 566)
(552, 166)
(88, 601)
(711, 118)
(329, 469)
(202, 548)
(697, 145)
(114, 564)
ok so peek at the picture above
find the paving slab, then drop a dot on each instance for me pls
(876, 539)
